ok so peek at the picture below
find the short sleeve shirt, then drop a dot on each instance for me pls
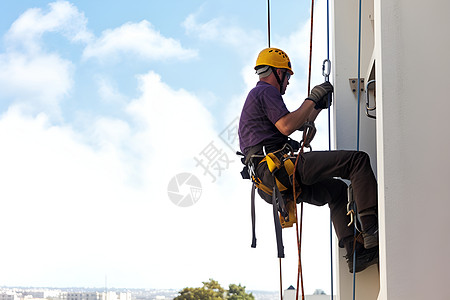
(263, 107)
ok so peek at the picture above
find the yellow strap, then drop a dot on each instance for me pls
(272, 162)
(281, 187)
(289, 166)
(290, 207)
(261, 186)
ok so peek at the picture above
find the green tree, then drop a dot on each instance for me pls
(212, 290)
(237, 292)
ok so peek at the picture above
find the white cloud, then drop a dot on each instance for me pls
(208, 31)
(172, 124)
(37, 82)
(166, 112)
(63, 198)
(62, 17)
(98, 199)
(31, 77)
(140, 39)
(108, 92)
(222, 31)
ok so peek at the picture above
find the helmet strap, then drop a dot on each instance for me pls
(280, 81)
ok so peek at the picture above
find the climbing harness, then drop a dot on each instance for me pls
(277, 184)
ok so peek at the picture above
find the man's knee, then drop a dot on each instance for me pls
(363, 156)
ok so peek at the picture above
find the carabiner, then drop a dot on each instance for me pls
(326, 69)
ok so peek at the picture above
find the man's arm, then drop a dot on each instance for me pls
(313, 115)
(294, 120)
(306, 112)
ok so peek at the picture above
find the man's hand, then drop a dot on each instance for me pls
(319, 95)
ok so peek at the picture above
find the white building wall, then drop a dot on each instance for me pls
(413, 147)
(409, 142)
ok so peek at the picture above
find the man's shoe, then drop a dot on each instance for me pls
(370, 240)
(364, 259)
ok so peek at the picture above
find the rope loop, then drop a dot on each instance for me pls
(309, 131)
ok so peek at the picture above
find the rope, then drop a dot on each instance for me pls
(268, 22)
(299, 238)
(299, 234)
(310, 46)
(359, 78)
(299, 231)
(357, 137)
(281, 281)
(326, 74)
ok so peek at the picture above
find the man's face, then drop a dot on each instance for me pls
(285, 83)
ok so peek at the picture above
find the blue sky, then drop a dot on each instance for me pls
(103, 103)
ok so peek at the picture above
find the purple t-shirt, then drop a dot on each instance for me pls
(263, 107)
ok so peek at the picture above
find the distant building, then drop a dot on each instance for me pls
(9, 296)
(291, 292)
(98, 296)
(35, 294)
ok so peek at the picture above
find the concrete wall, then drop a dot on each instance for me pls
(412, 70)
(405, 45)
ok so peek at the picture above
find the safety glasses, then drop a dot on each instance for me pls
(288, 75)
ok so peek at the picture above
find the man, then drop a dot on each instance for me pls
(264, 127)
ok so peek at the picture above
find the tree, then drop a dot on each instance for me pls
(212, 290)
(237, 292)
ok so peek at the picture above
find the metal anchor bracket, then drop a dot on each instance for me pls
(354, 84)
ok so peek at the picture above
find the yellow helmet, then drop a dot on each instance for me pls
(275, 58)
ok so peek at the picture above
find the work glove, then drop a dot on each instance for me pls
(319, 95)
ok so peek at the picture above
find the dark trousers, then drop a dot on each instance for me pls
(316, 173)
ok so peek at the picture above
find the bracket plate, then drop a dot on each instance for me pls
(354, 84)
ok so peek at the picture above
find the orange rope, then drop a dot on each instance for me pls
(299, 234)
(310, 45)
(300, 271)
